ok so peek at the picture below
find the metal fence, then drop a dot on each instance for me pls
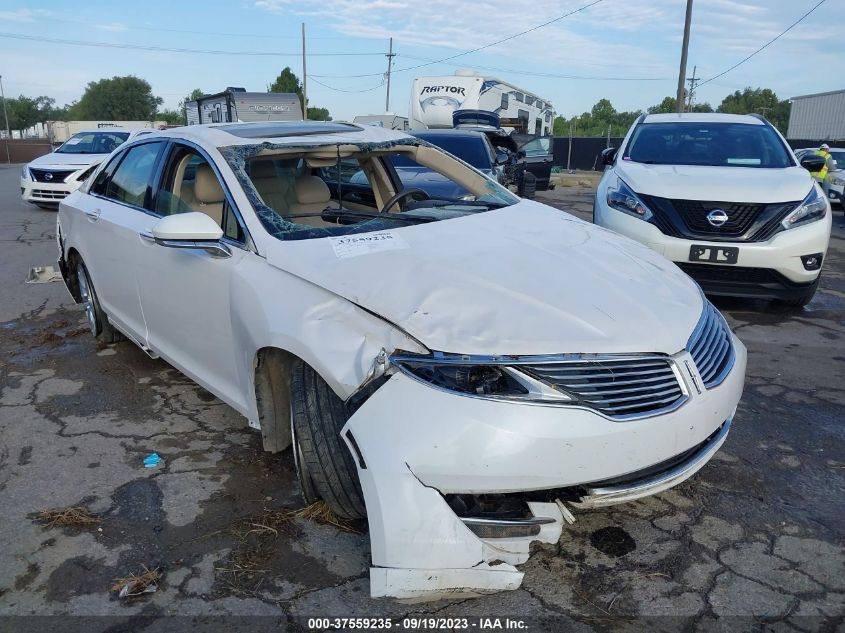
(586, 150)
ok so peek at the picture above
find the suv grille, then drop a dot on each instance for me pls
(711, 347)
(747, 222)
(55, 175)
(619, 387)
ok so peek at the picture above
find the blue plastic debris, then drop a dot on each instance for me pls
(151, 460)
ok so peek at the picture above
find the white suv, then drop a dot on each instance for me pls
(723, 197)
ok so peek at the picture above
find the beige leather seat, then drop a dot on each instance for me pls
(208, 194)
(312, 196)
(275, 189)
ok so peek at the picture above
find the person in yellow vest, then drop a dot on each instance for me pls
(824, 151)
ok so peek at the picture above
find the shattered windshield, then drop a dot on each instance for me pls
(345, 189)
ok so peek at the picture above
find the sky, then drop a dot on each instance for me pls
(625, 50)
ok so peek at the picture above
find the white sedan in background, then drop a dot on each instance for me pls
(50, 178)
(464, 373)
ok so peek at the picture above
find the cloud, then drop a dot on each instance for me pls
(112, 27)
(21, 15)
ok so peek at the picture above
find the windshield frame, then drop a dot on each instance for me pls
(62, 149)
(774, 138)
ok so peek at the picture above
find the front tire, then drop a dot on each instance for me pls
(98, 322)
(325, 466)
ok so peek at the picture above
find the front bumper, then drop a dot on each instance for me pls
(419, 444)
(47, 192)
(781, 254)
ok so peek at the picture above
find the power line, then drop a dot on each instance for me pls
(52, 40)
(766, 45)
(549, 75)
(343, 90)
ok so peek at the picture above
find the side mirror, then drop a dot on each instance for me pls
(501, 158)
(608, 156)
(813, 162)
(192, 230)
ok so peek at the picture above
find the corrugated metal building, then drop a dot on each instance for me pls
(819, 116)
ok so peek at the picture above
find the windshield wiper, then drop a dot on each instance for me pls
(341, 214)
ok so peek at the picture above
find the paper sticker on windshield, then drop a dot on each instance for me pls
(365, 243)
(73, 141)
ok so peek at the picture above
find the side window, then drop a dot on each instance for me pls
(505, 100)
(99, 185)
(350, 172)
(538, 147)
(132, 180)
(191, 184)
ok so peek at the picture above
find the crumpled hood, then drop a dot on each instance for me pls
(55, 159)
(723, 184)
(526, 279)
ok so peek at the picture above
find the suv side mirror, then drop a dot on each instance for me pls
(608, 156)
(813, 162)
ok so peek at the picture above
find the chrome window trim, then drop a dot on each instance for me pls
(398, 358)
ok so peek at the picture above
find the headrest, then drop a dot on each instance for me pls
(207, 189)
(262, 169)
(311, 190)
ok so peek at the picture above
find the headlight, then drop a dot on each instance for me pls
(813, 208)
(837, 182)
(461, 375)
(622, 198)
(25, 172)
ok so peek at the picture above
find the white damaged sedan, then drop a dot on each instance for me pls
(463, 372)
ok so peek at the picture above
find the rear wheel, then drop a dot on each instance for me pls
(325, 467)
(98, 322)
(528, 185)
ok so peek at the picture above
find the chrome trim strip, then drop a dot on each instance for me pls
(610, 495)
(508, 522)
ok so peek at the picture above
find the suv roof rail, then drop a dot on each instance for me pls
(757, 115)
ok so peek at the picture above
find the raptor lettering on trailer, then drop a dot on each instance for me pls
(451, 89)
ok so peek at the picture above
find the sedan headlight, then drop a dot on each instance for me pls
(622, 198)
(813, 208)
(464, 375)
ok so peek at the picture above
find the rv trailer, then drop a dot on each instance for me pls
(236, 104)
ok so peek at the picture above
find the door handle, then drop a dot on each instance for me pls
(93, 214)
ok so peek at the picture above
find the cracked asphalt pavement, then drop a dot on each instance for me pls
(757, 534)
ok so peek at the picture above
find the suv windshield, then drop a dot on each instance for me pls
(711, 144)
(93, 143)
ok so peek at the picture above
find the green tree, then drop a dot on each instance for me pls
(670, 105)
(760, 101)
(287, 81)
(24, 112)
(172, 117)
(318, 114)
(126, 98)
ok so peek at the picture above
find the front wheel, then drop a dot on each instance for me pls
(98, 322)
(324, 464)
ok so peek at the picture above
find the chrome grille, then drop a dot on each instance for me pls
(50, 175)
(621, 387)
(711, 347)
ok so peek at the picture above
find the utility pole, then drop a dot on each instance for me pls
(692, 83)
(390, 56)
(682, 75)
(305, 78)
(6, 118)
(609, 127)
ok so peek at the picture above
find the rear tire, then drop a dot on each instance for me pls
(528, 185)
(804, 299)
(325, 466)
(98, 322)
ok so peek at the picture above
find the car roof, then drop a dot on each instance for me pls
(284, 133)
(703, 117)
(448, 132)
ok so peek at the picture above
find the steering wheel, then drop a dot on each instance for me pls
(407, 193)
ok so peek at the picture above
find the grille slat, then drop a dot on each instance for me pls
(50, 175)
(622, 389)
(710, 347)
(740, 216)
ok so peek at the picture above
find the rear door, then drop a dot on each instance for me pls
(116, 211)
(538, 159)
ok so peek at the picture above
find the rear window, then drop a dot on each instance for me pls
(711, 144)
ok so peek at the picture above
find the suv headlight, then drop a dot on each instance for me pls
(837, 181)
(813, 208)
(622, 198)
